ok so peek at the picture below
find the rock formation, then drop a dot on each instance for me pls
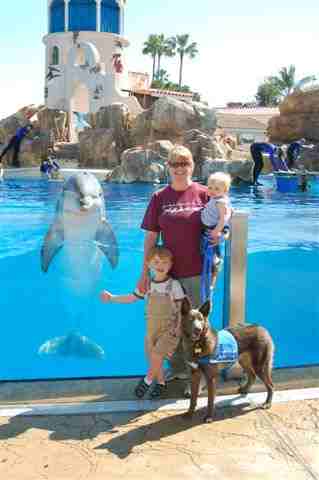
(133, 149)
(299, 118)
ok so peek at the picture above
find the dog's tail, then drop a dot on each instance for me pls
(268, 358)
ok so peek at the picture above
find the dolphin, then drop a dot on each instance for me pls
(81, 230)
(80, 216)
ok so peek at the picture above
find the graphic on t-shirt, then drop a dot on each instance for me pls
(182, 207)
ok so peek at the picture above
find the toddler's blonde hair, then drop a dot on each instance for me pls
(220, 178)
(161, 252)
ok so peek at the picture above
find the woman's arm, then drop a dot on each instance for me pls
(149, 242)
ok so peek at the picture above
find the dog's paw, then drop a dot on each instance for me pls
(208, 419)
(266, 405)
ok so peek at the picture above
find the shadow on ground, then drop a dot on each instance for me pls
(123, 445)
(67, 427)
(88, 427)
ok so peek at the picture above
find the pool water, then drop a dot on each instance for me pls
(282, 281)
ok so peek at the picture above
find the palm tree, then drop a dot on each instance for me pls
(181, 45)
(286, 80)
(164, 48)
(158, 46)
(150, 48)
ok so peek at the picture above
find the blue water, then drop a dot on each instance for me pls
(282, 291)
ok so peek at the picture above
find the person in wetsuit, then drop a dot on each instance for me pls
(293, 152)
(275, 154)
(15, 144)
(257, 149)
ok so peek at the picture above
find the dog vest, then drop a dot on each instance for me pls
(226, 350)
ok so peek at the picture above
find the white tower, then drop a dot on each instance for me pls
(85, 65)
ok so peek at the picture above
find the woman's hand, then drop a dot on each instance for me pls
(105, 296)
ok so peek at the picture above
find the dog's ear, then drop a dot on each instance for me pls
(186, 306)
(205, 308)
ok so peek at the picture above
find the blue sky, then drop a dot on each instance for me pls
(240, 43)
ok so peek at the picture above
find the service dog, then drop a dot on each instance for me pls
(255, 349)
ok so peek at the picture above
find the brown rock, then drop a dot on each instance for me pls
(301, 102)
(98, 148)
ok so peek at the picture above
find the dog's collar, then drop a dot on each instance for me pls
(197, 345)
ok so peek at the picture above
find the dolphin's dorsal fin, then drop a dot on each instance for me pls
(107, 242)
(53, 242)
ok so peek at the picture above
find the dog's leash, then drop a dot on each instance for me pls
(208, 251)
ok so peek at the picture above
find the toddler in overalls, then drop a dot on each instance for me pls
(163, 312)
(215, 218)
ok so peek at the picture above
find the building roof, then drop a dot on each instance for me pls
(231, 121)
(155, 92)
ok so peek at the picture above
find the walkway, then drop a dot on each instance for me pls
(243, 442)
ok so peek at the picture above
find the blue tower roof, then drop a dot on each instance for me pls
(83, 16)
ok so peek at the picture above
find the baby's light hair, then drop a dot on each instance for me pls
(220, 178)
(178, 152)
(161, 252)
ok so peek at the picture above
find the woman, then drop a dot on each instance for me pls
(174, 214)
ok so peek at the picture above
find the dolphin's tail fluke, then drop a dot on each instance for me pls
(72, 345)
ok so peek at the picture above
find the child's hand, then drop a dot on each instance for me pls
(105, 296)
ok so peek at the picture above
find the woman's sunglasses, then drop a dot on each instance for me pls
(179, 164)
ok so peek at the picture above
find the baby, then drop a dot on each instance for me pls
(215, 218)
(216, 214)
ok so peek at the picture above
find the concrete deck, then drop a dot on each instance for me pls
(243, 442)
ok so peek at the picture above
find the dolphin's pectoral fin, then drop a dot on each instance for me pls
(107, 243)
(53, 242)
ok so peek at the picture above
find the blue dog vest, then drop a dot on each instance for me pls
(226, 350)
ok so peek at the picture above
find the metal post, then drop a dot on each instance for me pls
(66, 15)
(235, 271)
(235, 280)
(98, 15)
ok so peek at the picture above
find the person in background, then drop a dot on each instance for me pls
(173, 215)
(293, 153)
(15, 144)
(49, 166)
(164, 298)
(257, 149)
